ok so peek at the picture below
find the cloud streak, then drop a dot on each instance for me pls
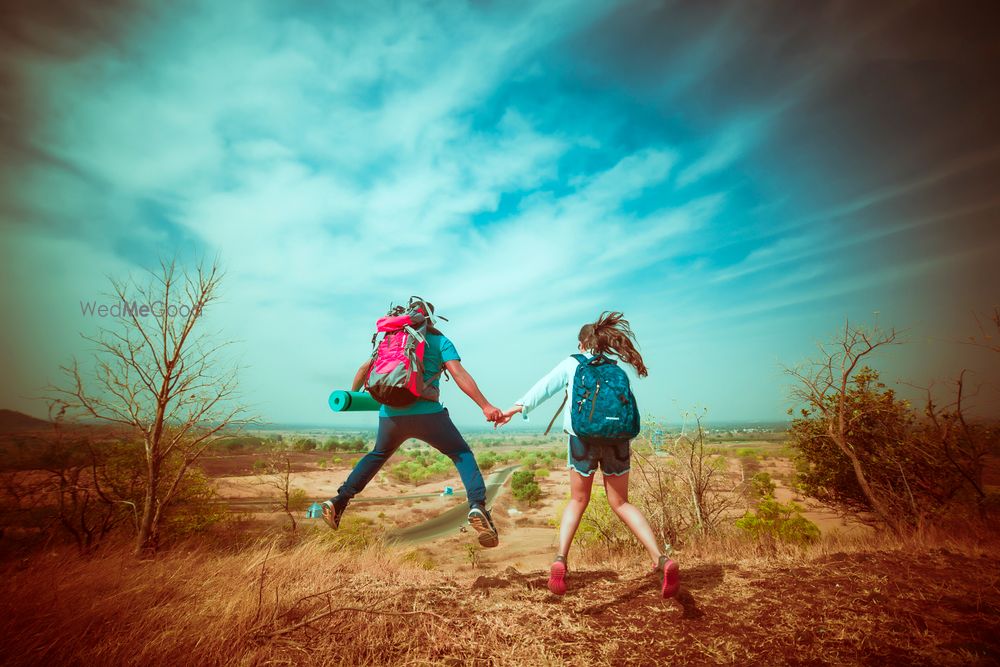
(523, 166)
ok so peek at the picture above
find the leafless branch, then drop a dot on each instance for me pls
(156, 375)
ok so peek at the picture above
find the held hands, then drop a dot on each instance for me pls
(492, 413)
(497, 416)
(507, 416)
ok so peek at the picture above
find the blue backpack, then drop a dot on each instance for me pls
(603, 406)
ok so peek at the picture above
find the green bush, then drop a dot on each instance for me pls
(901, 464)
(524, 487)
(422, 466)
(194, 517)
(336, 444)
(762, 485)
(304, 444)
(520, 478)
(773, 521)
(487, 461)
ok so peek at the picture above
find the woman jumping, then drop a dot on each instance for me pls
(609, 335)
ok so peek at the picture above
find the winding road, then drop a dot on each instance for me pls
(443, 524)
(452, 520)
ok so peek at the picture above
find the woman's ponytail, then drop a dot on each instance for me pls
(612, 334)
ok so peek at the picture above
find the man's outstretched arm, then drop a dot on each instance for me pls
(471, 389)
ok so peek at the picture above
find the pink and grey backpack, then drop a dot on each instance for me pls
(396, 374)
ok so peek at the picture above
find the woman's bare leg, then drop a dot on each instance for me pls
(579, 497)
(616, 486)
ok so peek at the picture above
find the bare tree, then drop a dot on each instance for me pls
(658, 494)
(824, 382)
(157, 376)
(711, 494)
(685, 490)
(963, 445)
(277, 473)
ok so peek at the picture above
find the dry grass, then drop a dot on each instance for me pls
(930, 599)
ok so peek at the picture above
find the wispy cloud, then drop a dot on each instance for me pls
(346, 155)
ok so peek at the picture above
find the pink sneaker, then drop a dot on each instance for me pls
(669, 574)
(557, 576)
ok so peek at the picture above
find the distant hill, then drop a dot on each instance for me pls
(12, 421)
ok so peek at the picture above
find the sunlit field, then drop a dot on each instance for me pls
(242, 585)
(748, 249)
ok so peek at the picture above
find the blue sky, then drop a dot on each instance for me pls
(737, 179)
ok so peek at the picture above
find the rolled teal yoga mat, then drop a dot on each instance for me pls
(352, 401)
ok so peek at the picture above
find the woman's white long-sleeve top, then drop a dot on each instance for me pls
(558, 380)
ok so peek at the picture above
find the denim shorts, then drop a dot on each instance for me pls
(612, 457)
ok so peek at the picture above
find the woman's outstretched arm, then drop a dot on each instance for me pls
(554, 381)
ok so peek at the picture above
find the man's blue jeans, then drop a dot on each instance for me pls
(438, 431)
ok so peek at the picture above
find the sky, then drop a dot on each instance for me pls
(739, 178)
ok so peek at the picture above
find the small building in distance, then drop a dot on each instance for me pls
(315, 511)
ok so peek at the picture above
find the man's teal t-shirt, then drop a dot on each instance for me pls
(439, 350)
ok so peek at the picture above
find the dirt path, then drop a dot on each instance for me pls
(266, 504)
(452, 520)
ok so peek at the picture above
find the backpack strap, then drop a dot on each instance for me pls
(581, 359)
(553, 420)
(440, 373)
(413, 332)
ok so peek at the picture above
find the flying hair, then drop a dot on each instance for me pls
(611, 334)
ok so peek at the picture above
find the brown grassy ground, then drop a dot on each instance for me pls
(926, 601)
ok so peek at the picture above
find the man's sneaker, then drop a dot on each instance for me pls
(557, 576)
(669, 575)
(332, 514)
(480, 519)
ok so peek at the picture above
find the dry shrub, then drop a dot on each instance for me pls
(601, 536)
(682, 485)
(305, 604)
